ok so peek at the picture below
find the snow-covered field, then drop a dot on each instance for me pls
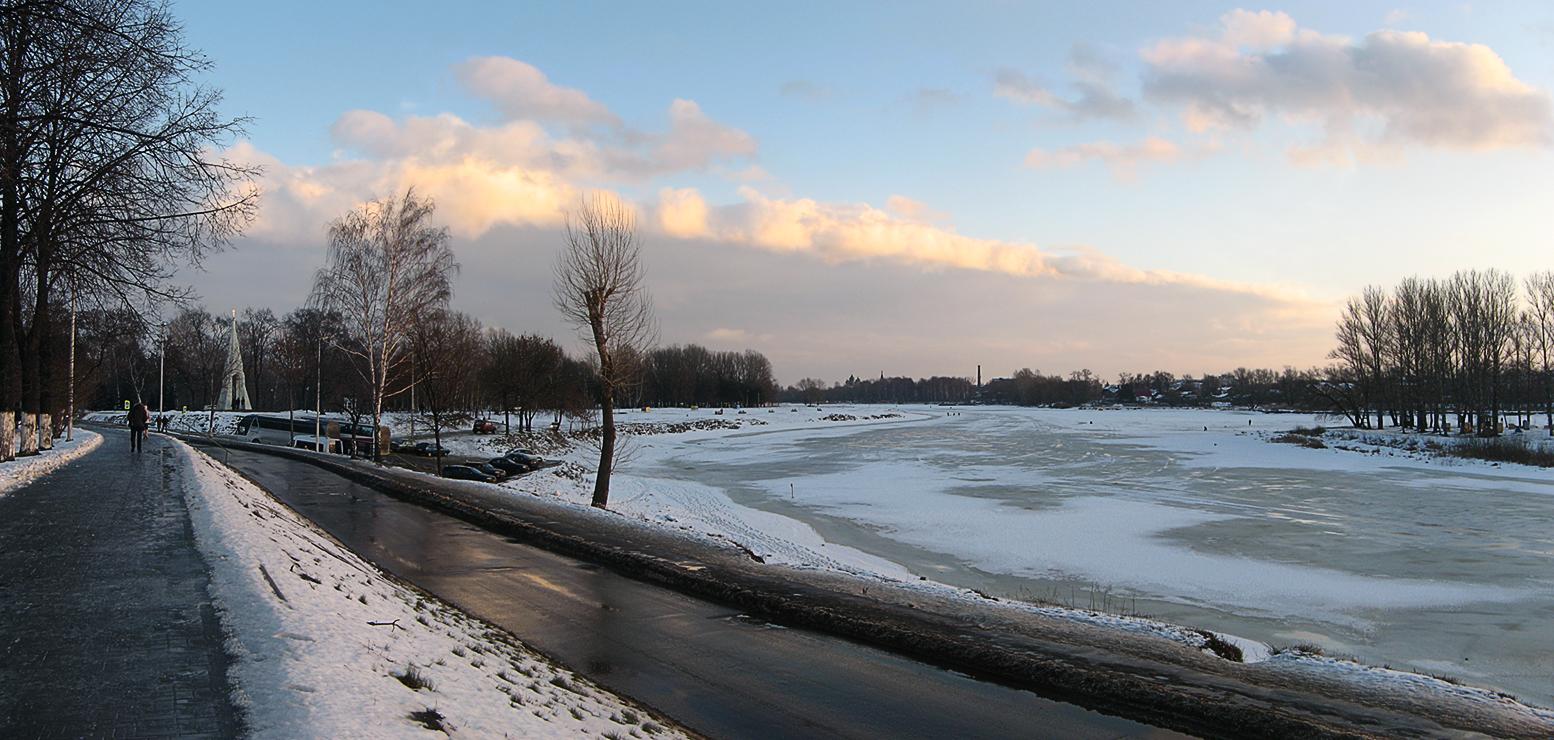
(328, 646)
(1428, 564)
(24, 470)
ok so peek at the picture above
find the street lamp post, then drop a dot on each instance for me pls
(70, 392)
(318, 396)
(161, 372)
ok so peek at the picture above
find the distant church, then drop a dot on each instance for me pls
(234, 385)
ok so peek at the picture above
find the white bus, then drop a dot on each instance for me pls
(346, 438)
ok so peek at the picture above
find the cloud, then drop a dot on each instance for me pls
(804, 89)
(914, 210)
(520, 91)
(1123, 159)
(693, 142)
(845, 233)
(1385, 92)
(682, 213)
(503, 189)
(1095, 96)
(926, 99)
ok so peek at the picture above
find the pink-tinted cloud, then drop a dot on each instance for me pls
(1387, 91)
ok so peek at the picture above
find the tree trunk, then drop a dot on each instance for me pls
(437, 444)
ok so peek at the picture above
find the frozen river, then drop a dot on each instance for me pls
(1433, 566)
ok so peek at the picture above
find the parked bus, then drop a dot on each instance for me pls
(349, 439)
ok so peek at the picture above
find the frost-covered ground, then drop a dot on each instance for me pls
(1435, 565)
(24, 470)
(328, 646)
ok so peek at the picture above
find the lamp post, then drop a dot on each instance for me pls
(70, 392)
(161, 371)
(318, 394)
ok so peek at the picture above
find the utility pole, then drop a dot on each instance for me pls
(161, 372)
(70, 393)
(318, 393)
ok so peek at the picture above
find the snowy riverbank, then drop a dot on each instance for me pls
(325, 644)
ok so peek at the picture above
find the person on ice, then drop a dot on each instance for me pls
(139, 419)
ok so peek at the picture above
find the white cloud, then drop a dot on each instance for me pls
(914, 210)
(1384, 92)
(682, 213)
(694, 142)
(520, 91)
(518, 176)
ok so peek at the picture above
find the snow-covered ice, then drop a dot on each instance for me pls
(1404, 560)
(320, 635)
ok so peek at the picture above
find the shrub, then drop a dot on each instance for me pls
(1504, 449)
(1293, 438)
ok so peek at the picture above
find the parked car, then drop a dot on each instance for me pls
(485, 426)
(429, 449)
(520, 451)
(466, 472)
(511, 466)
(400, 445)
(490, 470)
(533, 461)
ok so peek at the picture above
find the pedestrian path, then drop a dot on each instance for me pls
(106, 624)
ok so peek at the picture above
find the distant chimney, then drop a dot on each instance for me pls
(979, 377)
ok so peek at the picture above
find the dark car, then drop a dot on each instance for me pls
(485, 426)
(465, 472)
(513, 467)
(521, 451)
(489, 469)
(531, 460)
(399, 445)
(430, 449)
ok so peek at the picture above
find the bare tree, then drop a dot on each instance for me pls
(388, 268)
(600, 290)
(1540, 312)
(108, 179)
(447, 348)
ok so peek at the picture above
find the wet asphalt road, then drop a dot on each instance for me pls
(707, 666)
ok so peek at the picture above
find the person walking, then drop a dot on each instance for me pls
(139, 419)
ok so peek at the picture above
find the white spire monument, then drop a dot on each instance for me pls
(234, 384)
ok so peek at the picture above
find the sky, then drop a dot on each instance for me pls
(910, 188)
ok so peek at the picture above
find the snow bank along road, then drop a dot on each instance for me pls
(638, 640)
(709, 666)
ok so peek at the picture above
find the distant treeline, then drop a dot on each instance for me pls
(1287, 388)
(290, 363)
(692, 375)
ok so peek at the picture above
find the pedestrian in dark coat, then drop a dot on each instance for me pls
(139, 420)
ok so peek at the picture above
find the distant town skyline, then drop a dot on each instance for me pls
(1118, 187)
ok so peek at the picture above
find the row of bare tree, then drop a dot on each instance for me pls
(1464, 353)
(108, 181)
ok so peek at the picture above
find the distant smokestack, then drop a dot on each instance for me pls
(979, 377)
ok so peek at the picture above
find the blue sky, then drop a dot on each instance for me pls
(851, 104)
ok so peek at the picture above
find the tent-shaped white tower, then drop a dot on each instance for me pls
(234, 384)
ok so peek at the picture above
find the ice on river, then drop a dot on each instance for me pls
(1395, 558)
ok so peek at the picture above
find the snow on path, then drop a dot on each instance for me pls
(24, 470)
(299, 610)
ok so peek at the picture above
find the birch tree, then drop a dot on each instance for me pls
(388, 268)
